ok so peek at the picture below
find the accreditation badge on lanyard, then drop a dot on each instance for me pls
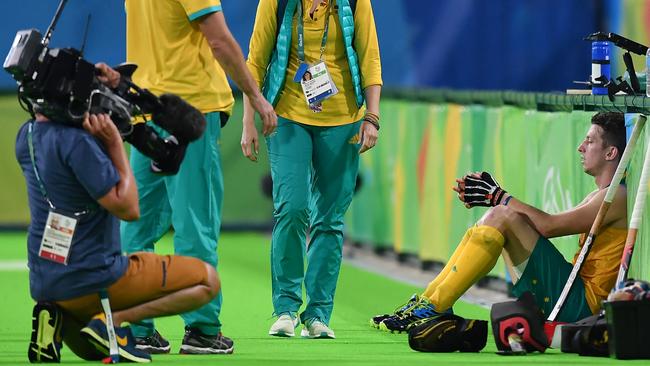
(317, 85)
(57, 237)
(315, 79)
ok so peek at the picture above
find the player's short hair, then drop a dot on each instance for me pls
(613, 125)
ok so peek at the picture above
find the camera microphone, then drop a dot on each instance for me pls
(179, 118)
(166, 154)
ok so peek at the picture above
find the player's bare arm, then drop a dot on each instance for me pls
(578, 219)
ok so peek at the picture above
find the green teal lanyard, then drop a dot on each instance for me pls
(30, 143)
(301, 33)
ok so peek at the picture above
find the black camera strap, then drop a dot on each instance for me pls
(41, 186)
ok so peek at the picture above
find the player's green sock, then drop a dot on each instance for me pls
(479, 256)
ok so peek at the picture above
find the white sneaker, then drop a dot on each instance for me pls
(315, 328)
(284, 326)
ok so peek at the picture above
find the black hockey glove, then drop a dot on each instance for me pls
(482, 191)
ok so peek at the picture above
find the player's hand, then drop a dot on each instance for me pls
(107, 75)
(368, 135)
(267, 114)
(102, 127)
(250, 143)
(460, 189)
(479, 189)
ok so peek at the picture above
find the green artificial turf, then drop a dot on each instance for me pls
(244, 270)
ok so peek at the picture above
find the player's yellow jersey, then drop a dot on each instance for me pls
(600, 268)
(163, 38)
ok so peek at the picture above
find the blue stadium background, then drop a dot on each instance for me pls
(533, 45)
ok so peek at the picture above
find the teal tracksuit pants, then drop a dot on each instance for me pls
(190, 201)
(314, 172)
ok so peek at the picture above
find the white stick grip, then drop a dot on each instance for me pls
(641, 192)
(635, 220)
(625, 158)
(112, 339)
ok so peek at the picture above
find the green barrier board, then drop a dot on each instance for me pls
(425, 144)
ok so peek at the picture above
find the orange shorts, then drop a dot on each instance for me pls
(148, 277)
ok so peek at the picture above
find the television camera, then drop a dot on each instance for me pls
(60, 84)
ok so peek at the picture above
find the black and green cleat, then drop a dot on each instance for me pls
(420, 313)
(376, 320)
(45, 343)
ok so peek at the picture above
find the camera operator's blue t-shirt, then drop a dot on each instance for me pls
(75, 171)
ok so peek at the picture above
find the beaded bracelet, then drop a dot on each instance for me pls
(373, 119)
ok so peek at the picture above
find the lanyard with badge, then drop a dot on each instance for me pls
(316, 81)
(59, 227)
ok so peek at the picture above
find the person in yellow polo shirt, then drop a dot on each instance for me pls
(184, 47)
(317, 62)
(521, 233)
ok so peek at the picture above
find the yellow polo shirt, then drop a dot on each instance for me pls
(341, 108)
(163, 38)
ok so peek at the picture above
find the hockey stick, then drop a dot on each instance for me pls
(637, 214)
(112, 340)
(602, 211)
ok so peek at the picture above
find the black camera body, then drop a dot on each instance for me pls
(60, 84)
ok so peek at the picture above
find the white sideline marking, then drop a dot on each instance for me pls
(13, 265)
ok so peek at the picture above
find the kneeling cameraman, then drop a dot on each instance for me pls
(79, 184)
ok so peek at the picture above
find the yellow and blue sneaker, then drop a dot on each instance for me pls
(96, 333)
